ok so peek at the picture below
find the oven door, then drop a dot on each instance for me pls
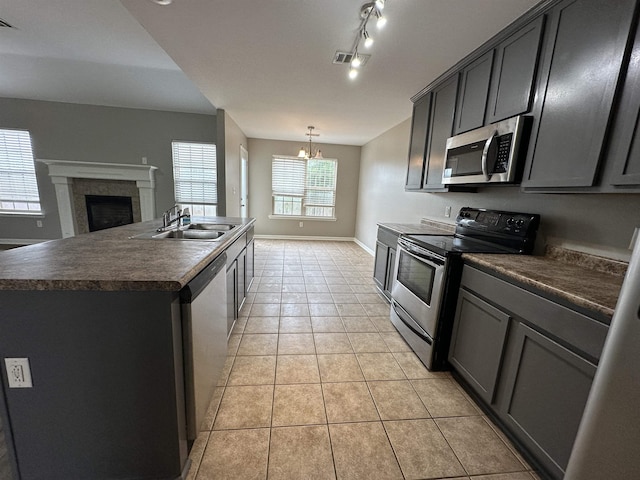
(418, 284)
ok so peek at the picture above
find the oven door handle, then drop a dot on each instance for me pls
(423, 255)
(410, 323)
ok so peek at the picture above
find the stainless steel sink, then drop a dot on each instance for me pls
(211, 232)
(191, 234)
(211, 226)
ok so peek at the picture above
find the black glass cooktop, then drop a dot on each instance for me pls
(445, 245)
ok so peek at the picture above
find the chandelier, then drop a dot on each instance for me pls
(310, 153)
(366, 12)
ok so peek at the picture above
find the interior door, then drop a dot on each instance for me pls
(244, 182)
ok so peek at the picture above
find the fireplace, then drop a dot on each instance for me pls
(74, 181)
(106, 211)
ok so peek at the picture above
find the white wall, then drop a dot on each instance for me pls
(601, 224)
(91, 133)
(233, 138)
(260, 154)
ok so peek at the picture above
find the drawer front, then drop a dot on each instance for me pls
(388, 237)
(574, 330)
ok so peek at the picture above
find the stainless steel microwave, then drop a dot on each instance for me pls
(489, 154)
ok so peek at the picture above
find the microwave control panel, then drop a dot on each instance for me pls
(502, 157)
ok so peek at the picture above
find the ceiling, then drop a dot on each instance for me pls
(267, 63)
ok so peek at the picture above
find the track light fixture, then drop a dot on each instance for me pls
(366, 11)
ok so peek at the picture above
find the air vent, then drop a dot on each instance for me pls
(4, 24)
(342, 58)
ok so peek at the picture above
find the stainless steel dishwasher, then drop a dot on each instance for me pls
(204, 333)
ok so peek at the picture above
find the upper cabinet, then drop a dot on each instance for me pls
(514, 72)
(623, 167)
(573, 66)
(443, 106)
(474, 89)
(582, 60)
(500, 83)
(432, 124)
(417, 147)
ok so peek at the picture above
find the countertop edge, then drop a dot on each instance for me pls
(570, 299)
(110, 239)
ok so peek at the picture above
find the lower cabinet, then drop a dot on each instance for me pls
(240, 273)
(232, 295)
(545, 391)
(478, 324)
(529, 360)
(385, 260)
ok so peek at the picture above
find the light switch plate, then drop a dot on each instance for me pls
(18, 372)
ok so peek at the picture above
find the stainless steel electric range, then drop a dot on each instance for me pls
(428, 270)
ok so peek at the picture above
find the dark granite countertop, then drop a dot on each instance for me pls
(426, 227)
(109, 260)
(589, 282)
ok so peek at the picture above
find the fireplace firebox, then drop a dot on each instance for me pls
(106, 211)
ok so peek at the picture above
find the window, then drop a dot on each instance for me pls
(304, 187)
(195, 180)
(18, 185)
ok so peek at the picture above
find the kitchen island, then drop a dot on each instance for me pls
(98, 317)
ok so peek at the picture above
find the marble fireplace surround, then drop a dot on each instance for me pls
(116, 177)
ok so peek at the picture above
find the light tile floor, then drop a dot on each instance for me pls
(319, 385)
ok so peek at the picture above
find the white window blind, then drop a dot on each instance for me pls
(195, 173)
(303, 187)
(18, 185)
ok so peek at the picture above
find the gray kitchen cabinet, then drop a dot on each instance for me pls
(582, 59)
(418, 143)
(384, 263)
(514, 72)
(443, 107)
(529, 360)
(478, 323)
(240, 271)
(474, 89)
(623, 159)
(250, 264)
(546, 390)
(232, 295)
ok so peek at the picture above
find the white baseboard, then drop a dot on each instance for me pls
(326, 239)
(364, 247)
(301, 237)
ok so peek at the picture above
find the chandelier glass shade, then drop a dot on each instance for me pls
(310, 153)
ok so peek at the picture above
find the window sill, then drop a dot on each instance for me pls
(302, 217)
(22, 214)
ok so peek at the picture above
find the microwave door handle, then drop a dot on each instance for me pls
(485, 153)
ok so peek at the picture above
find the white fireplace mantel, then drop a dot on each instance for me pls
(63, 171)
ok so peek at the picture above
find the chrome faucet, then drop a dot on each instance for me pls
(171, 216)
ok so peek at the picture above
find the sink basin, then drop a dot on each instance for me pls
(211, 226)
(191, 234)
(211, 232)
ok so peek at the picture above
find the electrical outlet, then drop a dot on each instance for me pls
(447, 212)
(144, 160)
(39, 223)
(18, 372)
(301, 224)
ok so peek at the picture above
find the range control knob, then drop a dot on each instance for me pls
(520, 222)
(511, 221)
